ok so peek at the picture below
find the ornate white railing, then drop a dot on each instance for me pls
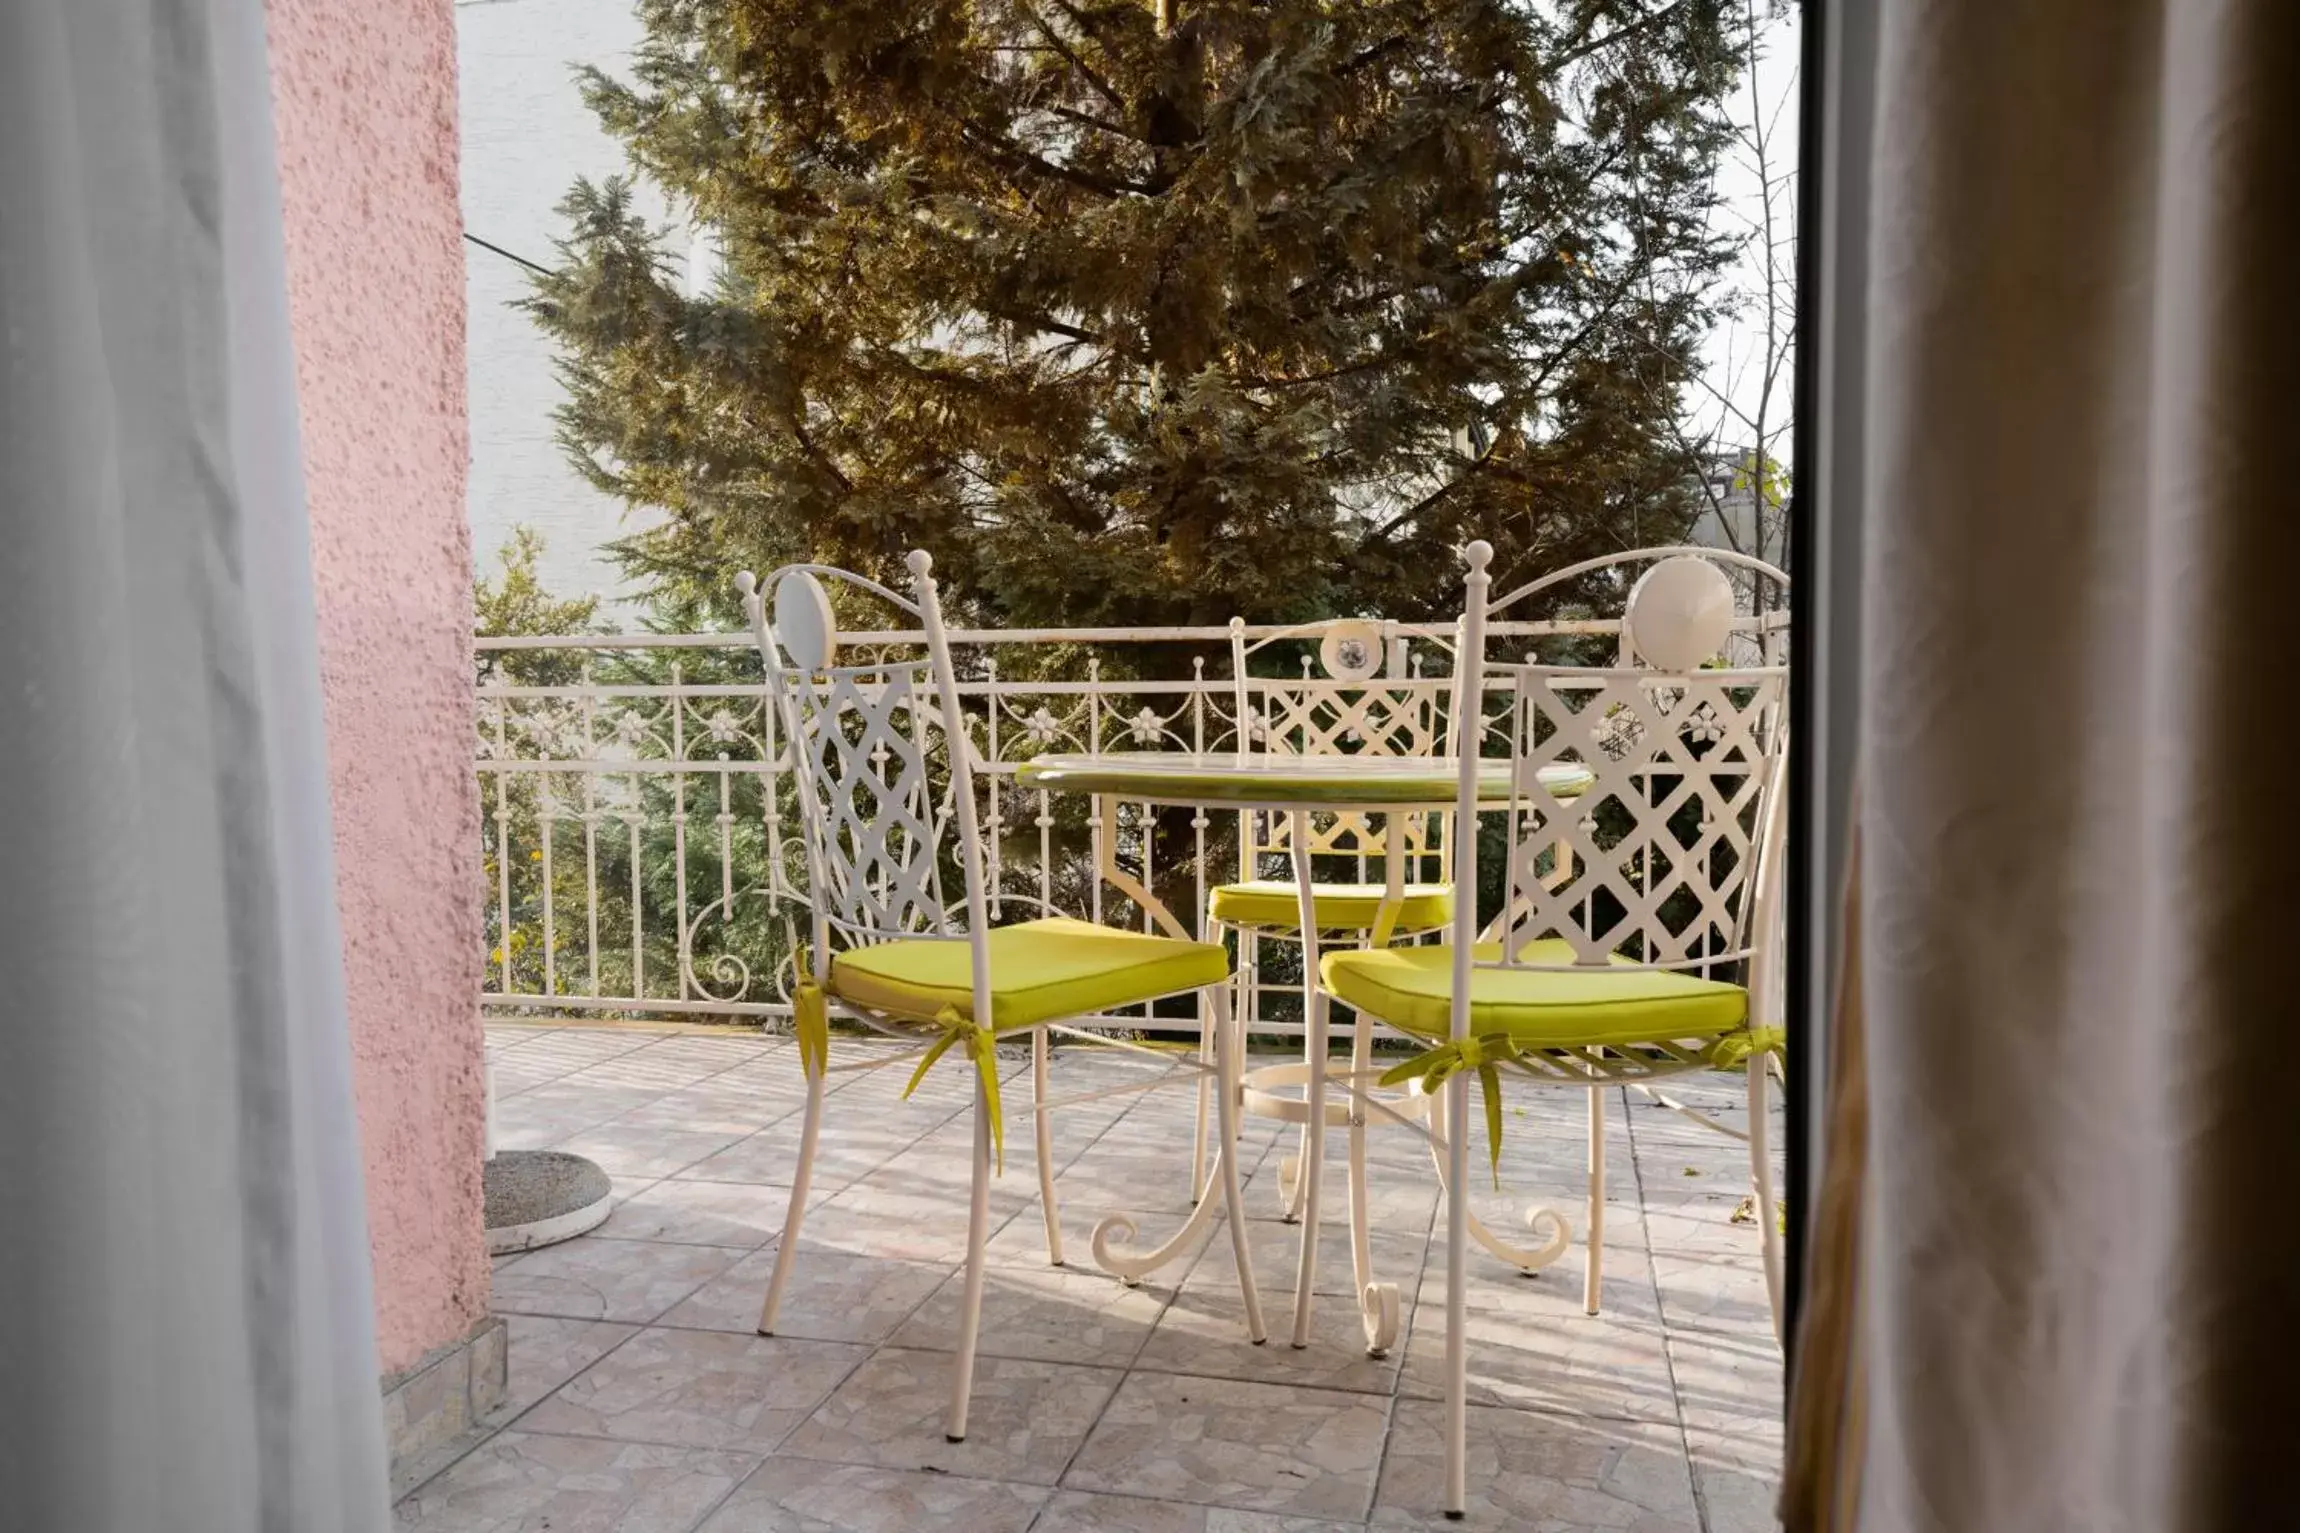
(640, 821)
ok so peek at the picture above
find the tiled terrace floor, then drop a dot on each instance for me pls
(642, 1402)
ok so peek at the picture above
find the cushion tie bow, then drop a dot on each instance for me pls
(1738, 1048)
(981, 1045)
(811, 1019)
(1485, 1056)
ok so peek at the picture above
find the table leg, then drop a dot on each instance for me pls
(1114, 1236)
(1312, 1175)
(1127, 884)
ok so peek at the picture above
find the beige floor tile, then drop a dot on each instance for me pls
(1554, 1290)
(578, 1048)
(520, 1481)
(722, 1053)
(655, 1067)
(1738, 1480)
(1403, 1199)
(594, 1279)
(711, 1107)
(1511, 1212)
(790, 1495)
(844, 1153)
(739, 1214)
(628, 1148)
(1536, 1473)
(1574, 1364)
(1079, 1512)
(1723, 1294)
(829, 1296)
(511, 1075)
(1153, 1191)
(1203, 1332)
(1700, 1222)
(1056, 1315)
(1026, 1421)
(877, 1217)
(1226, 1442)
(1277, 1251)
(539, 1118)
(699, 1389)
(1730, 1385)
(545, 1351)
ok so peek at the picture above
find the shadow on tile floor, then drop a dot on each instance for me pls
(642, 1401)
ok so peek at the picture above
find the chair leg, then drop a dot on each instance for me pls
(1378, 1303)
(1315, 1016)
(1761, 1178)
(1456, 1091)
(1312, 1175)
(787, 1249)
(1229, 1062)
(1290, 1184)
(1593, 1285)
(1040, 1050)
(1206, 1054)
(970, 1308)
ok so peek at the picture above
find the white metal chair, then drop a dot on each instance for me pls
(886, 780)
(1641, 952)
(1345, 706)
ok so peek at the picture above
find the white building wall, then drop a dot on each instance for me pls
(526, 137)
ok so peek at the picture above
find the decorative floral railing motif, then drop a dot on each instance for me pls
(641, 842)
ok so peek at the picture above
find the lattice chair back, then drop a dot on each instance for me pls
(1339, 705)
(1666, 856)
(884, 791)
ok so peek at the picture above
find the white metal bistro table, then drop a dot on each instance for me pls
(1395, 787)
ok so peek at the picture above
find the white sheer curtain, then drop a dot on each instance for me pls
(186, 1325)
(2072, 1001)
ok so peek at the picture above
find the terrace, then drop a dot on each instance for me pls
(640, 1399)
(644, 873)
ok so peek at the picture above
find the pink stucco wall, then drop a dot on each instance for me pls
(365, 101)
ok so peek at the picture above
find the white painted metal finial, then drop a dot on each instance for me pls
(1478, 555)
(920, 561)
(1680, 613)
(746, 585)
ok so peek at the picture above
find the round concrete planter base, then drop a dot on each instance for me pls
(539, 1197)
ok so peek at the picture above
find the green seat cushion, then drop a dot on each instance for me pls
(1040, 971)
(1275, 904)
(1412, 988)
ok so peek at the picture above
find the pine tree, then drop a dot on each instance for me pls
(1151, 311)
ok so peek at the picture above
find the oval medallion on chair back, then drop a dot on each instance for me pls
(875, 810)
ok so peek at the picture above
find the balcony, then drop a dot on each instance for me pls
(643, 904)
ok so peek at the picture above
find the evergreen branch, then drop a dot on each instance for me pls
(1046, 323)
(1084, 22)
(1046, 30)
(1550, 368)
(1020, 158)
(1372, 55)
(815, 454)
(1586, 46)
(1089, 120)
(1381, 534)
(1323, 375)
(1581, 337)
